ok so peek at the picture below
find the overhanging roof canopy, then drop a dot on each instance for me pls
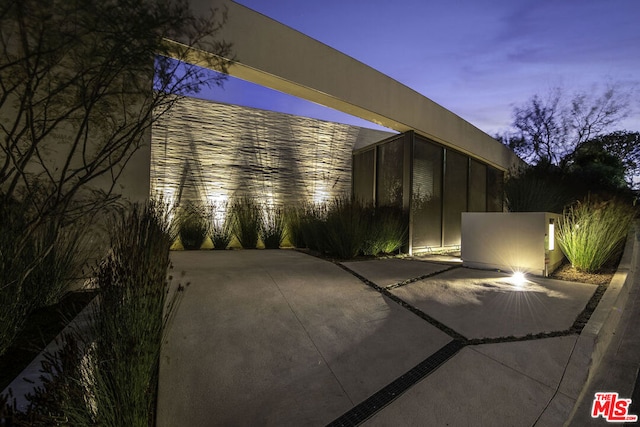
(276, 56)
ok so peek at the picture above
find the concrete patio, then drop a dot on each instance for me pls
(284, 338)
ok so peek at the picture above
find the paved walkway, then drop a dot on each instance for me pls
(283, 338)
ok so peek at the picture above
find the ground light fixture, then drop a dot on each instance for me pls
(518, 278)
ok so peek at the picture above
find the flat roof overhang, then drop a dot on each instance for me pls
(273, 55)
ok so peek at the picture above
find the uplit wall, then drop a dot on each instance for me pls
(208, 152)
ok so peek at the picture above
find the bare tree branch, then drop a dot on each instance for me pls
(82, 82)
(554, 129)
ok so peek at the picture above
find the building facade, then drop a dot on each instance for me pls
(210, 153)
(435, 168)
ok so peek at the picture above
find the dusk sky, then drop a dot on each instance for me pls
(477, 58)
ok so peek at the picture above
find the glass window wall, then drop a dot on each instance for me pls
(363, 176)
(390, 172)
(477, 186)
(426, 200)
(444, 183)
(455, 196)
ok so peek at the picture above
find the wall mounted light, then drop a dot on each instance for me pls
(552, 234)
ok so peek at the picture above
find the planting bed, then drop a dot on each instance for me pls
(570, 274)
(41, 328)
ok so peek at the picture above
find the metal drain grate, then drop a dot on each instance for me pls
(382, 398)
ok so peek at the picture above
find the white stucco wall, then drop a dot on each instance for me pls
(514, 241)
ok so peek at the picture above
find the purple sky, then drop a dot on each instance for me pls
(476, 58)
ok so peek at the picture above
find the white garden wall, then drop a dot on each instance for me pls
(515, 241)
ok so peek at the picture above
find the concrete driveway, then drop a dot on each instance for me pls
(279, 337)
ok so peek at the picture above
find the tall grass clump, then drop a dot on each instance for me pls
(13, 267)
(591, 234)
(192, 226)
(387, 231)
(131, 318)
(294, 218)
(61, 247)
(346, 228)
(61, 399)
(273, 228)
(39, 258)
(220, 225)
(247, 221)
(313, 226)
(106, 373)
(346, 231)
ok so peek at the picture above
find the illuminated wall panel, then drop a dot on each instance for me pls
(209, 152)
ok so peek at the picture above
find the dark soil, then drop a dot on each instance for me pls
(602, 277)
(41, 327)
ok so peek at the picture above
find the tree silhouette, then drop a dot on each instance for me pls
(552, 129)
(81, 84)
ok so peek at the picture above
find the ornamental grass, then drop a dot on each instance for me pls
(590, 234)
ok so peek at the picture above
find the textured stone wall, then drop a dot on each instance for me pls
(211, 152)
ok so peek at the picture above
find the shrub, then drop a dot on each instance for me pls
(247, 221)
(220, 226)
(192, 226)
(537, 190)
(272, 231)
(591, 234)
